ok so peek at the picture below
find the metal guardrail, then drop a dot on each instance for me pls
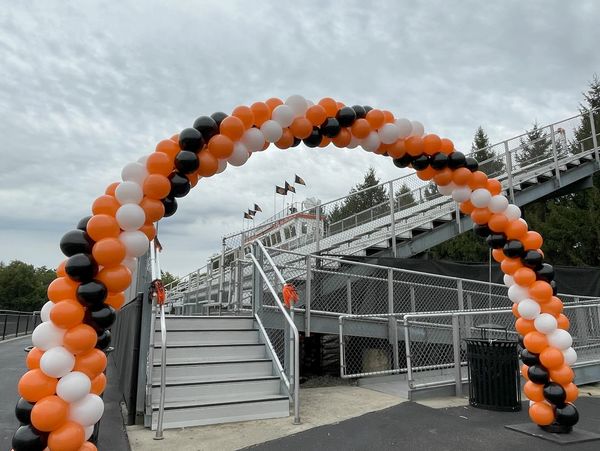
(15, 323)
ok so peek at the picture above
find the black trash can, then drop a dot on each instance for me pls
(494, 377)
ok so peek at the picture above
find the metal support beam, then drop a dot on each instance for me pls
(555, 156)
(392, 217)
(508, 159)
(308, 294)
(392, 325)
(456, 348)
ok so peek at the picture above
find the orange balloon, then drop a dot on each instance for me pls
(398, 149)
(33, 357)
(60, 270)
(159, 163)
(91, 363)
(540, 290)
(461, 176)
(510, 265)
(535, 342)
(221, 146)
(69, 437)
(156, 186)
(524, 369)
(265, 145)
(67, 314)
(273, 103)
(343, 138)
(478, 180)
(316, 114)
(261, 113)
(209, 165)
(554, 306)
(116, 278)
(231, 127)
(103, 226)
(175, 138)
(414, 145)
(286, 140)
(515, 229)
(109, 251)
(552, 358)
(361, 128)
(245, 114)
(572, 392)
(432, 144)
(443, 177)
(149, 231)
(533, 391)
(389, 116)
(168, 147)
(80, 339)
(62, 288)
(494, 186)
(563, 322)
(106, 205)
(541, 413)
(98, 384)
(524, 326)
(330, 107)
(481, 215)
(375, 118)
(115, 300)
(532, 240)
(447, 146)
(88, 446)
(35, 385)
(515, 310)
(562, 375)
(301, 127)
(426, 174)
(153, 208)
(193, 178)
(466, 207)
(498, 255)
(498, 222)
(49, 413)
(339, 105)
(110, 189)
(325, 141)
(524, 276)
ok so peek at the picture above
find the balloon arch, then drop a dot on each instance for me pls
(60, 394)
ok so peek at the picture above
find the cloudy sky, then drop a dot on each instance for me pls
(88, 86)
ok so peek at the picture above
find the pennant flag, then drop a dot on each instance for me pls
(289, 187)
(299, 180)
(280, 190)
(247, 216)
(251, 212)
(257, 208)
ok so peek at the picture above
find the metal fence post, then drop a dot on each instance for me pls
(318, 228)
(594, 136)
(413, 300)
(555, 154)
(342, 350)
(392, 325)
(349, 295)
(457, 216)
(457, 359)
(409, 373)
(460, 294)
(308, 296)
(392, 218)
(508, 159)
(221, 274)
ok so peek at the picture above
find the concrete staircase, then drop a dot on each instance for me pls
(218, 371)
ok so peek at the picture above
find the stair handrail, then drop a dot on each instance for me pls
(291, 324)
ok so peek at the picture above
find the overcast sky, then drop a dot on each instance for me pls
(88, 86)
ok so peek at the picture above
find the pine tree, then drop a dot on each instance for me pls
(482, 151)
(536, 146)
(405, 198)
(583, 133)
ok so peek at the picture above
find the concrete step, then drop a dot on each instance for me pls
(208, 323)
(210, 353)
(218, 391)
(206, 337)
(212, 371)
(177, 415)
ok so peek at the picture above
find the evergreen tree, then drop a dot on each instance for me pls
(583, 133)
(22, 286)
(536, 146)
(166, 277)
(482, 152)
(466, 247)
(405, 198)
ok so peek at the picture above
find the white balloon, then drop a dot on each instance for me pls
(354, 142)
(509, 281)
(517, 293)
(57, 362)
(560, 339)
(271, 130)
(498, 203)
(447, 190)
(253, 139)
(461, 193)
(283, 115)
(417, 129)
(545, 323)
(512, 212)
(222, 166)
(570, 356)
(134, 172)
(481, 197)
(73, 386)
(389, 133)
(47, 335)
(89, 430)
(46, 309)
(129, 193)
(239, 156)
(130, 216)
(528, 309)
(371, 143)
(405, 127)
(87, 411)
(131, 263)
(298, 104)
(136, 242)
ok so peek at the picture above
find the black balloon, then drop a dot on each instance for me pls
(170, 204)
(421, 162)
(186, 162)
(471, 164)
(314, 139)
(331, 127)
(529, 358)
(520, 340)
(513, 249)
(76, 242)
(555, 394)
(180, 185)
(218, 117)
(360, 111)
(92, 293)
(496, 240)
(82, 224)
(100, 317)
(296, 142)
(404, 161)
(367, 108)
(346, 116)
(207, 127)
(439, 161)
(23, 411)
(566, 416)
(456, 160)
(28, 438)
(103, 341)
(538, 374)
(191, 139)
(546, 272)
(482, 230)
(532, 259)
(81, 267)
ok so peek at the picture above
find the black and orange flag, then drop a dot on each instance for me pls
(299, 180)
(257, 208)
(289, 187)
(280, 190)
(247, 216)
